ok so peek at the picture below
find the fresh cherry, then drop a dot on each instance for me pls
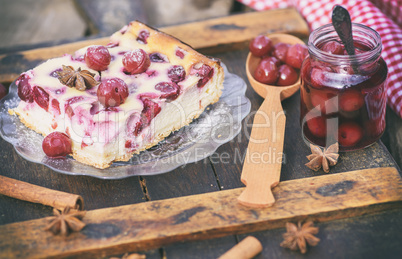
(296, 54)
(56, 145)
(333, 47)
(260, 45)
(176, 73)
(349, 134)
(97, 58)
(274, 60)
(266, 72)
(3, 91)
(24, 89)
(41, 97)
(351, 100)
(170, 90)
(280, 51)
(136, 61)
(112, 92)
(287, 75)
(317, 126)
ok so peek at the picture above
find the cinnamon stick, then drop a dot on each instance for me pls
(37, 194)
(247, 248)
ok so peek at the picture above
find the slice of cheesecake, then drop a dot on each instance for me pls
(118, 100)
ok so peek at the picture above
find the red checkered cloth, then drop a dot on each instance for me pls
(318, 12)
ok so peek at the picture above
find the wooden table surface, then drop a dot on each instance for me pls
(369, 236)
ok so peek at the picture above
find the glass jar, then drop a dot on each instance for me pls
(343, 97)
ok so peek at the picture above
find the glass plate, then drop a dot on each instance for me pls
(217, 125)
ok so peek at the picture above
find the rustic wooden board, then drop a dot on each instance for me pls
(207, 36)
(153, 224)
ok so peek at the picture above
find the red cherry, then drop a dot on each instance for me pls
(349, 134)
(296, 54)
(170, 90)
(97, 57)
(130, 145)
(41, 97)
(324, 101)
(317, 126)
(274, 60)
(176, 73)
(204, 72)
(317, 77)
(333, 47)
(158, 58)
(56, 144)
(112, 92)
(280, 51)
(143, 36)
(56, 106)
(150, 110)
(136, 61)
(180, 53)
(67, 106)
(351, 100)
(287, 75)
(266, 72)
(24, 89)
(3, 91)
(260, 46)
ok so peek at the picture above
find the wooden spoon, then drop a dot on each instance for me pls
(262, 165)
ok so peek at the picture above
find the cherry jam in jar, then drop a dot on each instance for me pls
(343, 97)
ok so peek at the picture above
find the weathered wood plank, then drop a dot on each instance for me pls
(97, 193)
(375, 235)
(153, 224)
(194, 178)
(211, 35)
(235, 31)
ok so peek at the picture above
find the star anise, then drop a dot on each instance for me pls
(323, 158)
(66, 221)
(80, 79)
(297, 237)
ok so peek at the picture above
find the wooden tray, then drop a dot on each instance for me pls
(153, 224)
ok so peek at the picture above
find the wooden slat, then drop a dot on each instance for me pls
(153, 224)
(214, 35)
(231, 32)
